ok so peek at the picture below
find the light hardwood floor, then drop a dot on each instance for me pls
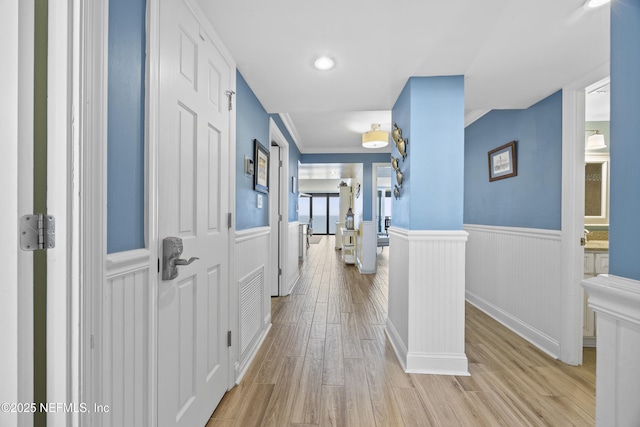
(326, 362)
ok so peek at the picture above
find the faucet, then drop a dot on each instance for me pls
(586, 234)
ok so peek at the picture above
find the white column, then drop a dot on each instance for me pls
(616, 301)
(426, 300)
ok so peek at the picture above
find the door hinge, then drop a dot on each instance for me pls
(279, 272)
(230, 94)
(280, 163)
(229, 220)
(279, 217)
(583, 241)
(37, 231)
(228, 338)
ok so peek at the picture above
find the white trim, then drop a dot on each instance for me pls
(516, 231)
(152, 234)
(616, 301)
(252, 233)
(125, 262)
(90, 98)
(61, 198)
(241, 369)
(11, 21)
(474, 115)
(276, 135)
(437, 364)
(288, 123)
(424, 235)
(396, 342)
(615, 296)
(526, 331)
(572, 212)
(24, 187)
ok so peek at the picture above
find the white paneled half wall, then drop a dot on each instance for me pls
(514, 275)
(122, 340)
(252, 293)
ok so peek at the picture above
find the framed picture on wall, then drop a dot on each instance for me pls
(261, 165)
(502, 162)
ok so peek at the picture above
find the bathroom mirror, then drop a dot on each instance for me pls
(596, 190)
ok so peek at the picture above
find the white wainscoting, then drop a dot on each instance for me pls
(367, 247)
(253, 268)
(426, 319)
(616, 300)
(291, 264)
(123, 340)
(514, 275)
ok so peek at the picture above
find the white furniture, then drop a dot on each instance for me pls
(344, 205)
(348, 245)
(303, 241)
(595, 262)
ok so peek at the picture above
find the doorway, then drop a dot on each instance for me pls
(596, 194)
(281, 237)
(572, 214)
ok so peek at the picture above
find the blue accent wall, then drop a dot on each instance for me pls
(366, 159)
(532, 199)
(126, 119)
(294, 158)
(430, 112)
(624, 229)
(252, 122)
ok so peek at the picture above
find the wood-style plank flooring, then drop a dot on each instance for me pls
(327, 362)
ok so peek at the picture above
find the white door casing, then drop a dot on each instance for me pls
(274, 219)
(280, 198)
(193, 202)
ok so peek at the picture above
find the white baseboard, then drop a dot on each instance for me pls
(397, 343)
(531, 334)
(241, 368)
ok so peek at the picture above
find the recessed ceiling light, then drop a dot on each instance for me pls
(597, 3)
(324, 63)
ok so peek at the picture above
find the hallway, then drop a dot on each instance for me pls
(326, 361)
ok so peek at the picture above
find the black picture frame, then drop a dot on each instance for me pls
(502, 162)
(261, 167)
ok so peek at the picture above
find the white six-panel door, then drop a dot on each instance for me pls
(193, 189)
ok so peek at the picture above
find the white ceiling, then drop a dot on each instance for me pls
(512, 53)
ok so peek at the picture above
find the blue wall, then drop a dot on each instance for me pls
(533, 198)
(252, 122)
(366, 159)
(430, 112)
(126, 118)
(294, 158)
(624, 230)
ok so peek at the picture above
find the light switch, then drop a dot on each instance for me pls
(259, 201)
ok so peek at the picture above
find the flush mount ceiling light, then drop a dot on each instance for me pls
(375, 138)
(324, 63)
(595, 141)
(597, 3)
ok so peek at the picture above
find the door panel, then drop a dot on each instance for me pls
(193, 158)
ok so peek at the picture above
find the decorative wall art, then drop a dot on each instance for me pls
(399, 177)
(502, 162)
(396, 192)
(261, 162)
(401, 144)
(394, 163)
